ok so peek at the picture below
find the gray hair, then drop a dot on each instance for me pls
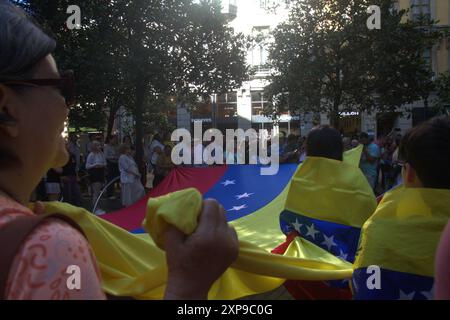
(22, 42)
(22, 45)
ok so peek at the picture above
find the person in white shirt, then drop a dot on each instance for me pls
(151, 155)
(112, 159)
(130, 178)
(95, 165)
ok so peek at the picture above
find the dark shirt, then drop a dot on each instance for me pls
(70, 168)
(53, 176)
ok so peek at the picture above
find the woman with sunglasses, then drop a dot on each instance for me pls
(34, 100)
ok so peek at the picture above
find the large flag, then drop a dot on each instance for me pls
(396, 255)
(132, 265)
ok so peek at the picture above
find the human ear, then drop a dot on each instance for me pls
(8, 113)
(411, 177)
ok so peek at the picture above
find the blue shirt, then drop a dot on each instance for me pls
(370, 169)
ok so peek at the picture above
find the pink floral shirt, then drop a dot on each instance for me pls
(39, 270)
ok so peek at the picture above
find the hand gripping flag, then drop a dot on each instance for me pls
(396, 255)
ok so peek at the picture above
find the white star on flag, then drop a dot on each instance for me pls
(228, 182)
(244, 195)
(406, 296)
(343, 255)
(329, 242)
(429, 294)
(311, 231)
(239, 208)
(297, 226)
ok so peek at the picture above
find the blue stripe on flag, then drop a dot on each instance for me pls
(243, 190)
(138, 231)
(338, 239)
(394, 285)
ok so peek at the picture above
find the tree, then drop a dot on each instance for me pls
(93, 52)
(327, 60)
(138, 53)
(443, 93)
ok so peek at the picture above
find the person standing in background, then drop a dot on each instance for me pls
(74, 149)
(347, 142)
(369, 159)
(53, 184)
(130, 178)
(164, 165)
(112, 163)
(69, 178)
(156, 142)
(88, 146)
(95, 165)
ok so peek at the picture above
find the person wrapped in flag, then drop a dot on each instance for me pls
(328, 201)
(397, 250)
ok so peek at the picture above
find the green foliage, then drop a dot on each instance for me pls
(327, 60)
(130, 51)
(443, 93)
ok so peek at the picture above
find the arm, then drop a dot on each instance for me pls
(126, 165)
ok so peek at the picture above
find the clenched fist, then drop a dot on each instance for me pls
(195, 262)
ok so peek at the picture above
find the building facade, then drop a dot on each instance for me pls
(243, 108)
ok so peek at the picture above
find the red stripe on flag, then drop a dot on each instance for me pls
(310, 290)
(180, 178)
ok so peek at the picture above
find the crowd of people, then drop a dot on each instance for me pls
(109, 165)
(379, 159)
(113, 165)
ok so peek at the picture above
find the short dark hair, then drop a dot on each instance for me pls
(326, 142)
(427, 149)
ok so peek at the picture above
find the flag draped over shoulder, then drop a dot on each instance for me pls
(400, 239)
(327, 204)
(353, 156)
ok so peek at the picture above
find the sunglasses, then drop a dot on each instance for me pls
(65, 84)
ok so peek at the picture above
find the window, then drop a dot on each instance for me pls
(227, 105)
(260, 51)
(259, 103)
(427, 57)
(420, 9)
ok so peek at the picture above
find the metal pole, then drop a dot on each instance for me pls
(102, 192)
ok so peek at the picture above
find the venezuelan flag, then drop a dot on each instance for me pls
(327, 204)
(133, 265)
(241, 189)
(396, 255)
